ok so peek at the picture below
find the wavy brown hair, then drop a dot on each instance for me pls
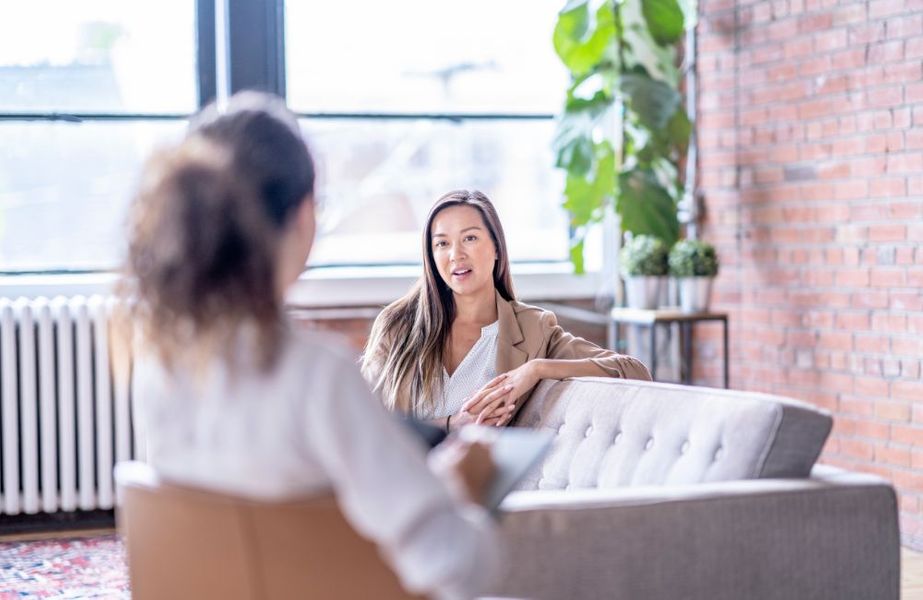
(404, 355)
(204, 230)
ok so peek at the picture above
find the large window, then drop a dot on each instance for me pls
(402, 102)
(377, 81)
(87, 90)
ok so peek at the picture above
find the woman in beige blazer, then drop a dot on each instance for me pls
(459, 348)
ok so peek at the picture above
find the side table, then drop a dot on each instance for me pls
(666, 316)
(650, 318)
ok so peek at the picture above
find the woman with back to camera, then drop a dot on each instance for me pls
(235, 399)
(458, 348)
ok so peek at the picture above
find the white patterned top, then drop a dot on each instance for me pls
(477, 368)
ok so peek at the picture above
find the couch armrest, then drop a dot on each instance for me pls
(832, 536)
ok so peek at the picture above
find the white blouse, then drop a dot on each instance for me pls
(311, 425)
(477, 368)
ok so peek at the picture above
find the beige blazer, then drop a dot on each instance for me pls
(526, 333)
(529, 332)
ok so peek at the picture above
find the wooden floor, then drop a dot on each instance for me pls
(911, 562)
(911, 575)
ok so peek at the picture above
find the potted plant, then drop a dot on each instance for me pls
(694, 264)
(643, 262)
(624, 132)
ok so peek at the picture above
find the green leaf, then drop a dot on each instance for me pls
(576, 255)
(580, 44)
(640, 49)
(664, 20)
(573, 143)
(594, 106)
(645, 207)
(586, 195)
(653, 101)
(679, 129)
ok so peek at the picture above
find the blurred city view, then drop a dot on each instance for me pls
(378, 177)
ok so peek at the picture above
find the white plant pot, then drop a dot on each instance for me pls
(642, 291)
(694, 293)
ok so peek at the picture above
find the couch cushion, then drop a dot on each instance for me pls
(616, 433)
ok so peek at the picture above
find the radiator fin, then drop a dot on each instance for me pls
(65, 417)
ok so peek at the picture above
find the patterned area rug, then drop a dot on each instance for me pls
(80, 567)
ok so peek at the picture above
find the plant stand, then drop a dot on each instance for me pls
(652, 318)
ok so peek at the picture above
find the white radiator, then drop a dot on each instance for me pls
(64, 419)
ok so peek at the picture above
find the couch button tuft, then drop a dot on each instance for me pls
(618, 436)
(684, 448)
(719, 453)
(649, 444)
(589, 430)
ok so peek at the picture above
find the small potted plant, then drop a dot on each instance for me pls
(644, 266)
(694, 264)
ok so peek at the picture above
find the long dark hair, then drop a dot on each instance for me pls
(204, 230)
(406, 345)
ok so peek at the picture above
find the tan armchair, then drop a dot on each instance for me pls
(189, 543)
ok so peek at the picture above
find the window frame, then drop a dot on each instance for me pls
(250, 34)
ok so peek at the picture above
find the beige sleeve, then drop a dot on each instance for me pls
(563, 345)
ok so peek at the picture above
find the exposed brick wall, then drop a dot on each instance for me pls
(811, 135)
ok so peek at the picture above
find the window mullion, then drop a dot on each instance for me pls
(256, 45)
(206, 51)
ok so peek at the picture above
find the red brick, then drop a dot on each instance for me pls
(904, 255)
(893, 410)
(908, 390)
(913, 93)
(905, 346)
(907, 480)
(885, 8)
(916, 461)
(852, 320)
(893, 455)
(888, 278)
(906, 300)
(907, 162)
(872, 342)
(886, 52)
(903, 211)
(869, 428)
(888, 187)
(869, 299)
(887, 233)
(832, 39)
(913, 48)
(904, 26)
(835, 340)
(857, 449)
(865, 32)
(888, 322)
(885, 97)
(872, 386)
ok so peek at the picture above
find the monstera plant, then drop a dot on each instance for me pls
(624, 132)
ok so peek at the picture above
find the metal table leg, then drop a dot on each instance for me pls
(654, 351)
(724, 323)
(686, 331)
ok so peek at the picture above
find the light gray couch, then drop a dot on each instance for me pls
(658, 491)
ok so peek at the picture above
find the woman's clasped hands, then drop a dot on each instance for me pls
(494, 404)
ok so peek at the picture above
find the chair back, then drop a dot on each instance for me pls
(190, 543)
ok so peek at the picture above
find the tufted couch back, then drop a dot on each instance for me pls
(617, 433)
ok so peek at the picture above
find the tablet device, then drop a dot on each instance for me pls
(515, 451)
